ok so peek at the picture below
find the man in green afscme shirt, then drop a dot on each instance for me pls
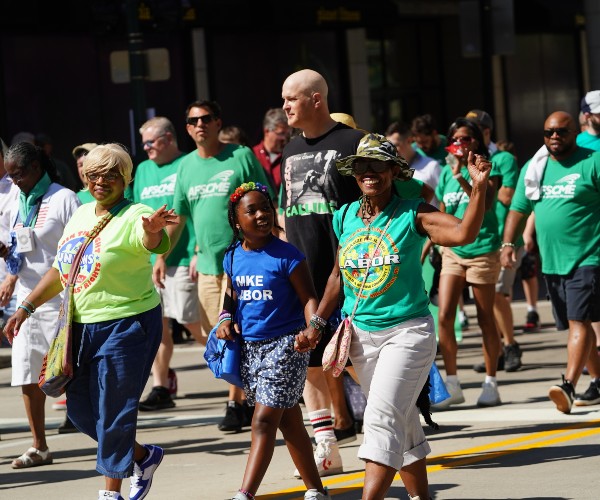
(561, 185)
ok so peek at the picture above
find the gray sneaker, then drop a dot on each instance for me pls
(316, 495)
(489, 395)
(512, 357)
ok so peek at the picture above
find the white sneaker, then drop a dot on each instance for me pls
(109, 495)
(489, 395)
(316, 495)
(328, 459)
(456, 396)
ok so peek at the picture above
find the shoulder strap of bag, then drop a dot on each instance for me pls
(91, 235)
(362, 286)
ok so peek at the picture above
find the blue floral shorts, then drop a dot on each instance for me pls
(273, 372)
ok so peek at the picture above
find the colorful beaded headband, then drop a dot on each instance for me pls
(245, 187)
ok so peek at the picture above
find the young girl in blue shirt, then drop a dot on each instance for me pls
(270, 298)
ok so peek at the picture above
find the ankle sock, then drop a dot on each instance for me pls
(490, 380)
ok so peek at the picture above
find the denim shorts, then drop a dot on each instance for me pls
(112, 365)
(273, 372)
(575, 296)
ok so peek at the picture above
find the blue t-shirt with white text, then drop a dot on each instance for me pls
(267, 304)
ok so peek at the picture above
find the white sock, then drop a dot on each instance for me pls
(452, 378)
(109, 495)
(531, 308)
(490, 380)
(322, 425)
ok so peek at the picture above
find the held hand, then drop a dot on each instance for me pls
(159, 220)
(7, 288)
(307, 339)
(3, 250)
(479, 169)
(11, 329)
(508, 257)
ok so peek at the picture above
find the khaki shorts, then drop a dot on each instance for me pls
(481, 270)
(179, 297)
(211, 290)
(506, 280)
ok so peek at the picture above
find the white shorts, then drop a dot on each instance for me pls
(392, 366)
(32, 343)
(179, 297)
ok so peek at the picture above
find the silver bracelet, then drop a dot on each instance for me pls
(507, 244)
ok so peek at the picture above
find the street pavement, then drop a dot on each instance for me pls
(523, 449)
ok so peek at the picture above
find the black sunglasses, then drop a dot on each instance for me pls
(561, 132)
(375, 166)
(205, 119)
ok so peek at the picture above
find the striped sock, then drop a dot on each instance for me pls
(322, 425)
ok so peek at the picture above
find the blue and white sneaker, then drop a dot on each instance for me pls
(142, 473)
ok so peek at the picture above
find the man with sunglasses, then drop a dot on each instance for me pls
(206, 178)
(561, 186)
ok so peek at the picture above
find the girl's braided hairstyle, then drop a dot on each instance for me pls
(234, 200)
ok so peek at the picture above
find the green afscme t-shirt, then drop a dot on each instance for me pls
(455, 200)
(394, 291)
(154, 185)
(115, 274)
(202, 193)
(567, 215)
(507, 165)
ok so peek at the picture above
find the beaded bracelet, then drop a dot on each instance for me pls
(507, 244)
(30, 304)
(316, 325)
(26, 309)
(318, 320)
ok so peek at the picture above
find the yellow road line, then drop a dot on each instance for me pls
(462, 457)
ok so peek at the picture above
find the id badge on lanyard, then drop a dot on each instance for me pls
(24, 235)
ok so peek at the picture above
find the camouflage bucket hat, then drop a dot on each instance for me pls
(375, 147)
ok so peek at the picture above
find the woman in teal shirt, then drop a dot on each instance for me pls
(477, 263)
(393, 343)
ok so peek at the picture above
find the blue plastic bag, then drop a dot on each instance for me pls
(224, 358)
(437, 390)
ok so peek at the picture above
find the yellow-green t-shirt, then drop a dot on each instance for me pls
(115, 276)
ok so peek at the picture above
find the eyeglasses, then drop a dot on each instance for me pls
(373, 166)
(465, 139)
(108, 177)
(193, 120)
(149, 144)
(560, 131)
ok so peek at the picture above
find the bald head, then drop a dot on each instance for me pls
(304, 95)
(560, 135)
(308, 82)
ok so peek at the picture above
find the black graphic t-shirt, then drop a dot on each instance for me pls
(312, 189)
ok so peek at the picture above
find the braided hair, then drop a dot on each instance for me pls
(234, 200)
(24, 154)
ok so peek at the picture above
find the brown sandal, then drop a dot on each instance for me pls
(32, 458)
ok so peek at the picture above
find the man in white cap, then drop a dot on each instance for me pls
(590, 107)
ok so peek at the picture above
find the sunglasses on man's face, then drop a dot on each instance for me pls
(560, 131)
(205, 119)
(372, 166)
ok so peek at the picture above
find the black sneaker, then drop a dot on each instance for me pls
(344, 436)
(67, 427)
(158, 399)
(233, 419)
(512, 357)
(480, 367)
(591, 396)
(562, 395)
(532, 323)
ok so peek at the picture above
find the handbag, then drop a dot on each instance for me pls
(336, 352)
(224, 358)
(57, 369)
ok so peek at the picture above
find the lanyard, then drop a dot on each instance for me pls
(32, 213)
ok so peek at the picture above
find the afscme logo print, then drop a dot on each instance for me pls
(563, 187)
(165, 188)
(218, 185)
